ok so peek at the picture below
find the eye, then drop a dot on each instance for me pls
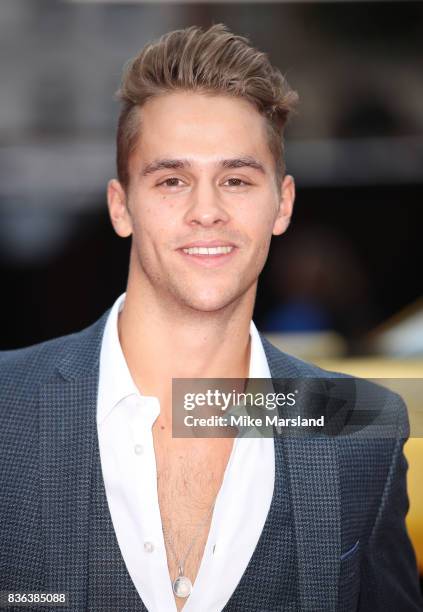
(170, 182)
(236, 182)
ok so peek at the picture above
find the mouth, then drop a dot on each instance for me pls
(209, 256)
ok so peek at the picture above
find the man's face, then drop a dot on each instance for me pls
(202, 203)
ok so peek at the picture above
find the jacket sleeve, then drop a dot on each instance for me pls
(389, 576)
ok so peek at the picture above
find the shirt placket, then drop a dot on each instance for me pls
(147, 410)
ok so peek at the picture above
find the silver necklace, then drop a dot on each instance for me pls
(182, 585)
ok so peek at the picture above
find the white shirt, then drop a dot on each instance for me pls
(124, 420)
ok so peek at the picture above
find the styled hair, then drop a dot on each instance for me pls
(214, 61)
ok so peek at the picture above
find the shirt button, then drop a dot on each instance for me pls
(148, 547)
(139, 449)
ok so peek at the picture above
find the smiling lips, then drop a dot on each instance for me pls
(208, 255)
(219, 250)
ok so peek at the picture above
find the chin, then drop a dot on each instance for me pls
(209, 302)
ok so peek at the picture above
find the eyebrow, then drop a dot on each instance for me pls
(178, 164)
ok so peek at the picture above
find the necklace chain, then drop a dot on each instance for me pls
(167, 537)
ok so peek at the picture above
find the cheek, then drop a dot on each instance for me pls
(154, 223)
(261, 234)
(260, 228)
(263, 250)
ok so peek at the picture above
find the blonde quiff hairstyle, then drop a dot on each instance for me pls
(214, 61)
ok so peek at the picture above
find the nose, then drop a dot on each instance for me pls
(205, 206)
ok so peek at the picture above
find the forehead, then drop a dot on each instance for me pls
(201, 127)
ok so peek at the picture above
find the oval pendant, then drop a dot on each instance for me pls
(182, 586)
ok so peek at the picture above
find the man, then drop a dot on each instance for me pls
(99, 500)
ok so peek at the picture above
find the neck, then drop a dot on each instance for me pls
(160, 342)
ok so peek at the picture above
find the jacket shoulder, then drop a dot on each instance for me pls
(386, 406)
(35, 364)
(284, 365)
(41, 357)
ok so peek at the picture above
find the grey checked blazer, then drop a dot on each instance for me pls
(347, 496)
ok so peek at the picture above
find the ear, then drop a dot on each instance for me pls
(118, 210)
(286, 205)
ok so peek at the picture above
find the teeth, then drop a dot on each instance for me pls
(220, 250)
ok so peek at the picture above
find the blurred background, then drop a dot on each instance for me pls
(342, 288)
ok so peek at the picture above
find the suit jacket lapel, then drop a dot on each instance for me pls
(67, 417)
(313, 468)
